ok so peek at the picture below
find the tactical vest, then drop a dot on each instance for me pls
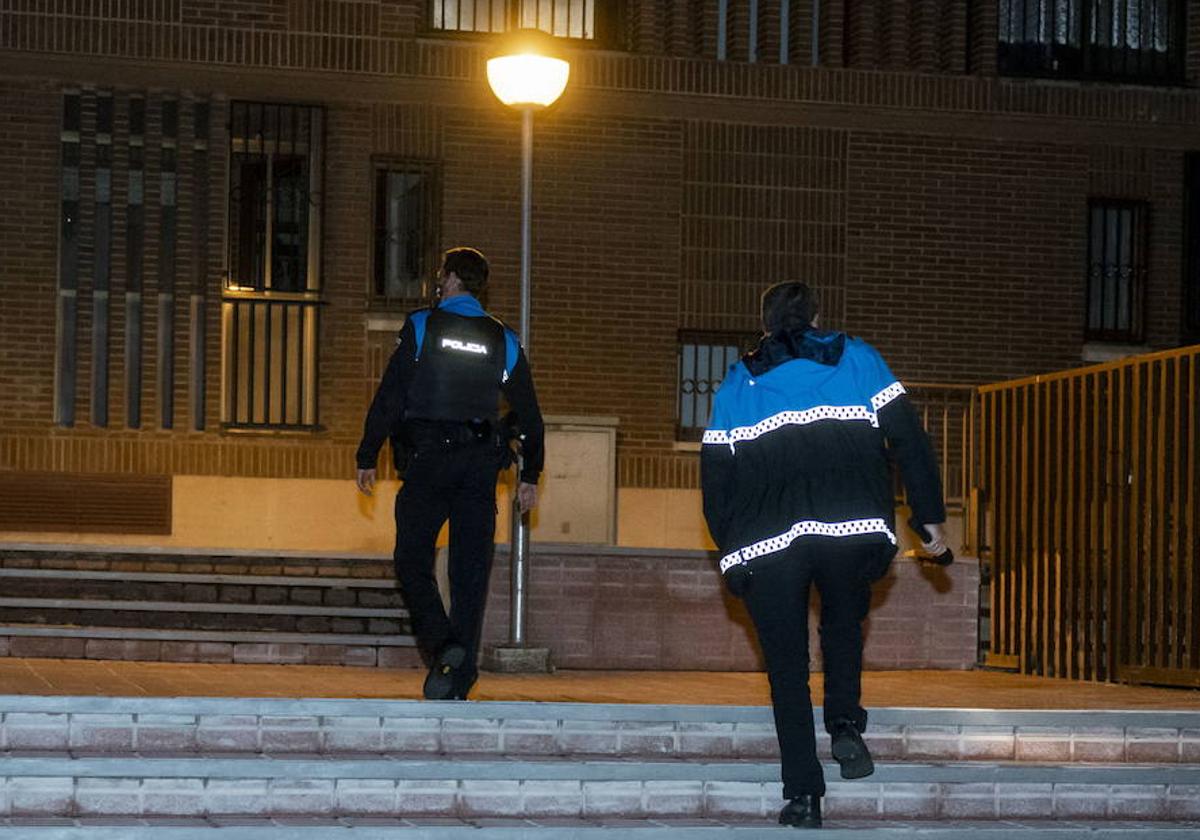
(459, 370)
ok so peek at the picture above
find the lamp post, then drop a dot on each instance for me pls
(526, 75)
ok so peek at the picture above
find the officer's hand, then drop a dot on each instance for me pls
(738, 579)
(937, 540)
(526, 496)
(365, 481)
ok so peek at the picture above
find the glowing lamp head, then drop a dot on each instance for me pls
(525, 75)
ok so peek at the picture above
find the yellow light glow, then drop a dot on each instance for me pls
(528, 80)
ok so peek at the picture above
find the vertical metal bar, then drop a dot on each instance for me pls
(1192, 544)
(1072, 506)
(520, 522)
(1064, 661)
(1031, 442)
(1160, 523)
(1175, 530)
(252, 360)
(235, 370)
(1136, 555)
(1095, 567)
(1113, 559)
(269, 309)
(284, 358)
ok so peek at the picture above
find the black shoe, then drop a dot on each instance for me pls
(803, 811)
(439, 684)
(850, 751)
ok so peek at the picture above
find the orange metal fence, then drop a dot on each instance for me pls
(1089, 517)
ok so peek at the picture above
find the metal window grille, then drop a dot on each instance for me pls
(270, 307)
(704, 359)
(1116, 270)
(1132, 40)
(562, 18)
(67, 354)
(270, 362)
(405, 230)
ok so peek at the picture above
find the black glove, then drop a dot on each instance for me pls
(738, 578)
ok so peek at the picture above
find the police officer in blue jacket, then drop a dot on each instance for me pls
(439, 403)
(798, 493)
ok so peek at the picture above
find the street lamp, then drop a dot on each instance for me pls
(526, 75)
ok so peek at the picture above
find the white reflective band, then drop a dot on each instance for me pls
(465, 346)
(887, 395)
(790, 418)
(807, 527)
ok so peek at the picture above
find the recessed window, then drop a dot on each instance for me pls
(704, 359)
(1116, 270)
(405, 243)
(563, 18)
(1137, 40)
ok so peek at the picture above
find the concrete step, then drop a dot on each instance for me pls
(56, 784)
(329, 726)
(368, 828)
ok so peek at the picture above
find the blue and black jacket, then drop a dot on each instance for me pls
(797, 449)
(451, 365)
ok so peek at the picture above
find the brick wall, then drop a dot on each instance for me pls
(944, 214)
(669, 610)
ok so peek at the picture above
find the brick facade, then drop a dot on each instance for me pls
(941, 210)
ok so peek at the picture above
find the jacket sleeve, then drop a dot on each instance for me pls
(387, 408)
(907, 440)
(716, 474)
(522, 399)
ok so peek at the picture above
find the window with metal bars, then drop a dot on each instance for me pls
(704, 359)
(1119, 40)
(585, 20)
(405, 246)
(272, 300)
(1116, 269)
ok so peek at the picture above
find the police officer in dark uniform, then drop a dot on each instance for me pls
(439, 403)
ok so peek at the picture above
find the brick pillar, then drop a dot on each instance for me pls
(926, 24)
(646, 27)
(682, 28)
(983, 35)
(862, 33)
(769, 30)
(737, 30)
(952, 47)
(895, 44)
(831, 46)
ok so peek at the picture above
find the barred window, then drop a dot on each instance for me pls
(1116, 270)
(405, 252)
(562, 18)
(704, 359)
(272, 296)
(1137, 40)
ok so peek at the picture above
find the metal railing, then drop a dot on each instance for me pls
(1089, 483)
(270, 362)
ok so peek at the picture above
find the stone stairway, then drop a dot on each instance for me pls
(182, 607)
(264, 768)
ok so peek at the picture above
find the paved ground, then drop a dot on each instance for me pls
(930, 689)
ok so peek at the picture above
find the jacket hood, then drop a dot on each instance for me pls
(783, 346)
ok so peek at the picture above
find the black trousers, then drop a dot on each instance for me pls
(459, 484)
(778, 604)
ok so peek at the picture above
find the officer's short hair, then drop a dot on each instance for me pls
(470, 265)
(788, 306)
